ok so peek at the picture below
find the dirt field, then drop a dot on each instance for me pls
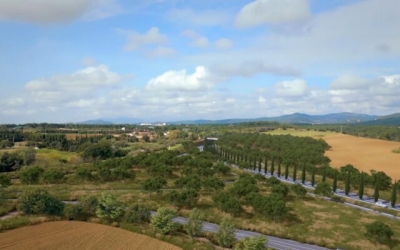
(301, 132)
(364, 154)
(77, 235)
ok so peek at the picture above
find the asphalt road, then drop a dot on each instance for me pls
(339, 192)
(273, 242)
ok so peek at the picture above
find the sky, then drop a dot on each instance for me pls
(169, 60)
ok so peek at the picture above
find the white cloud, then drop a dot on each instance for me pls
(199, 17)
(197, 40)
(181, 81)
(162, 52)
(273, 12)
(56, 11)
(200, 42)
(348, 82)
(224, 43)
(137, 40)
(82, 82)
(295, 88)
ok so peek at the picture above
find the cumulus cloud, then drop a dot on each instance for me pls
(137, 40)
(60, 11)
(82, 82)
(295, 88)
(224, 43)
(348, 82)
(181, 81)
(273, 12)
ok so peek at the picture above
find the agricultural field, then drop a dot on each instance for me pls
(301, 132)
(365, 154)
(78, 235)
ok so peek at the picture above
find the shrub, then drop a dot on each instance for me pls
(137, 214)
(73, 212)
(162, 221)
(39, 202)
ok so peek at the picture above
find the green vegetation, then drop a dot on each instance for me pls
(162, 221)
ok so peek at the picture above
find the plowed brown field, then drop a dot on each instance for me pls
(364, 154)
(73, 235)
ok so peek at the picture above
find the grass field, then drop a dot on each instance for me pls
(77, 235)
(364, 154)
(301, 133)
(55, 155)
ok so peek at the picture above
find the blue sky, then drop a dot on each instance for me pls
(166, 60)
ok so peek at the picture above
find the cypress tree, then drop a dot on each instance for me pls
(394, 194)
(246, 158)
(324, 175)
(272, 166)
(334, 184)
(279, 169)
(287, 171)
(255, 164)
(347, 184)
(313, 177)
(376, 191)
(266, 165)
(361, 186)
(295, 173)
(303, 174)
(259, 165)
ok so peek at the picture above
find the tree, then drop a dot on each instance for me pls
(221, 168)
(324, 174)
(280, 189)
(195, 223)
(227, 203)
(334, 183)
(376, 190)
(286, 171)
(266, 165)
(295, 173)
(313, 177)
(361, 187)
(226, 233)
(185, 198)
(153, 184)
(394, 194)
(73, 212)
(89, 206)
(244, 185)
(28, 156)
(279, 169)
(272, 166)
(137, 213)
(298, 190)
(5, 180)
(162, 221)
(39, 202)
(347, 184)
(213, 183)
(323, 189)
(109, 208)
(30, 175)
(379, 230)
(252, 243)
(275, 206)
(53, 176)
(303, 174)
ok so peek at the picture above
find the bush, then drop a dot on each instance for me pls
(53, 176)
(30, 175)
(162, 221)
(5, 180)
(137, 214)
(39, 202)
(109, 208)
(73, 212)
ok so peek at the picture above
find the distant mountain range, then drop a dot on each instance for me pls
(296, 118)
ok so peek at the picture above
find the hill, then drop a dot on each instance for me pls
(96, 122)
(393, 119)
(296, 118)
